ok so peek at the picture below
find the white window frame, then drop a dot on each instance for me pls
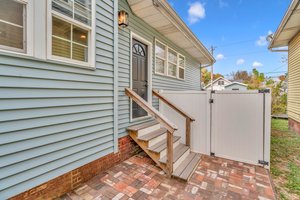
(28, 32)
(176, 64)
(91, 36)
(179, 67)
(166, 59)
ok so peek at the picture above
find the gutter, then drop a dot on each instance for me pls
(278, 50)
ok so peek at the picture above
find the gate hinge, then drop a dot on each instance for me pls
(262, 162)
(212, 154)
(211, 100)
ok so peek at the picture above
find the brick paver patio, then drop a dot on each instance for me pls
(214, 178)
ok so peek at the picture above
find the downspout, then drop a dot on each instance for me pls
(116, 86)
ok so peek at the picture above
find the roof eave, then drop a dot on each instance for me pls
(187, 30)
(282, 25)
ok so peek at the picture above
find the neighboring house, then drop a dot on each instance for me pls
(224, 84)
(288, 35)
(236, 86)
(64, 67)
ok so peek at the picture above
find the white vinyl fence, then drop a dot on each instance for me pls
(229, 124)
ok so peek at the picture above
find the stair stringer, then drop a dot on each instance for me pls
(144, 145)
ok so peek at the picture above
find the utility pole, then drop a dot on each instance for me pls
(212, 50)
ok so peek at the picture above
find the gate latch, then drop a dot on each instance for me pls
(211, 100)
(262, 162)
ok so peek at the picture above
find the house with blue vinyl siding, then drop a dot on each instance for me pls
(65, 65)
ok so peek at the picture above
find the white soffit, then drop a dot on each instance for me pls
(159, 15)
(289, 26)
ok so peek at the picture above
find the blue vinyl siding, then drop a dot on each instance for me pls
(139, 27)
(53, 117)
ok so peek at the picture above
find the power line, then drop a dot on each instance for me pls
(279, 67)
(279, 72)
(247, 53)
(236, 43)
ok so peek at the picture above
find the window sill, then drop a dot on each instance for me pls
(53, 61)
(139, 119)
(70, 63)
(167, 76)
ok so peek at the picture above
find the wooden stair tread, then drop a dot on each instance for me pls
(153, 134)
(159, 147)
(177, 153)
(142, 126)
(187, 167)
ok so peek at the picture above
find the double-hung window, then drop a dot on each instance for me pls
(71, 36)
(13, 25)
(172, 63)
(160, 58)
(168, 62)
(181, 66)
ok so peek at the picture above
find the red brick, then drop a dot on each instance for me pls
(71, 180)
(294, 125)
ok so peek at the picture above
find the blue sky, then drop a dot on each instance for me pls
(238, 29)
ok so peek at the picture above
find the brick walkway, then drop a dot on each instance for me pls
(215, 178)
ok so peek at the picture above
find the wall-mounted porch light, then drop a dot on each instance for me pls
(123, 18)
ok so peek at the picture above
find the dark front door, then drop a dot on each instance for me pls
(139, 75)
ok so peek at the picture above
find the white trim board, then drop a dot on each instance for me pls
(150, 66)
(116, 79)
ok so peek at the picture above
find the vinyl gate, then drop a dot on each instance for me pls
(229, 124)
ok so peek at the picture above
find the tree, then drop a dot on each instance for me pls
(282, 77)
(206, 76)
(243, 76)
(257, 79)
(216, 76)
(279, 101)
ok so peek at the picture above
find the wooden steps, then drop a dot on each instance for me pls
(162, 145)
(178, 152)
(153, 134)
(152, 138)
(187, 167)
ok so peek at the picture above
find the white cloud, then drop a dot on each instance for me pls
(257, 64)
(220, 57)
(240, 61)
(262, 41)
(223, 4)
(196, 12)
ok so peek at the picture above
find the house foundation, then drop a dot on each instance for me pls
(294, 125)
(71, 180)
